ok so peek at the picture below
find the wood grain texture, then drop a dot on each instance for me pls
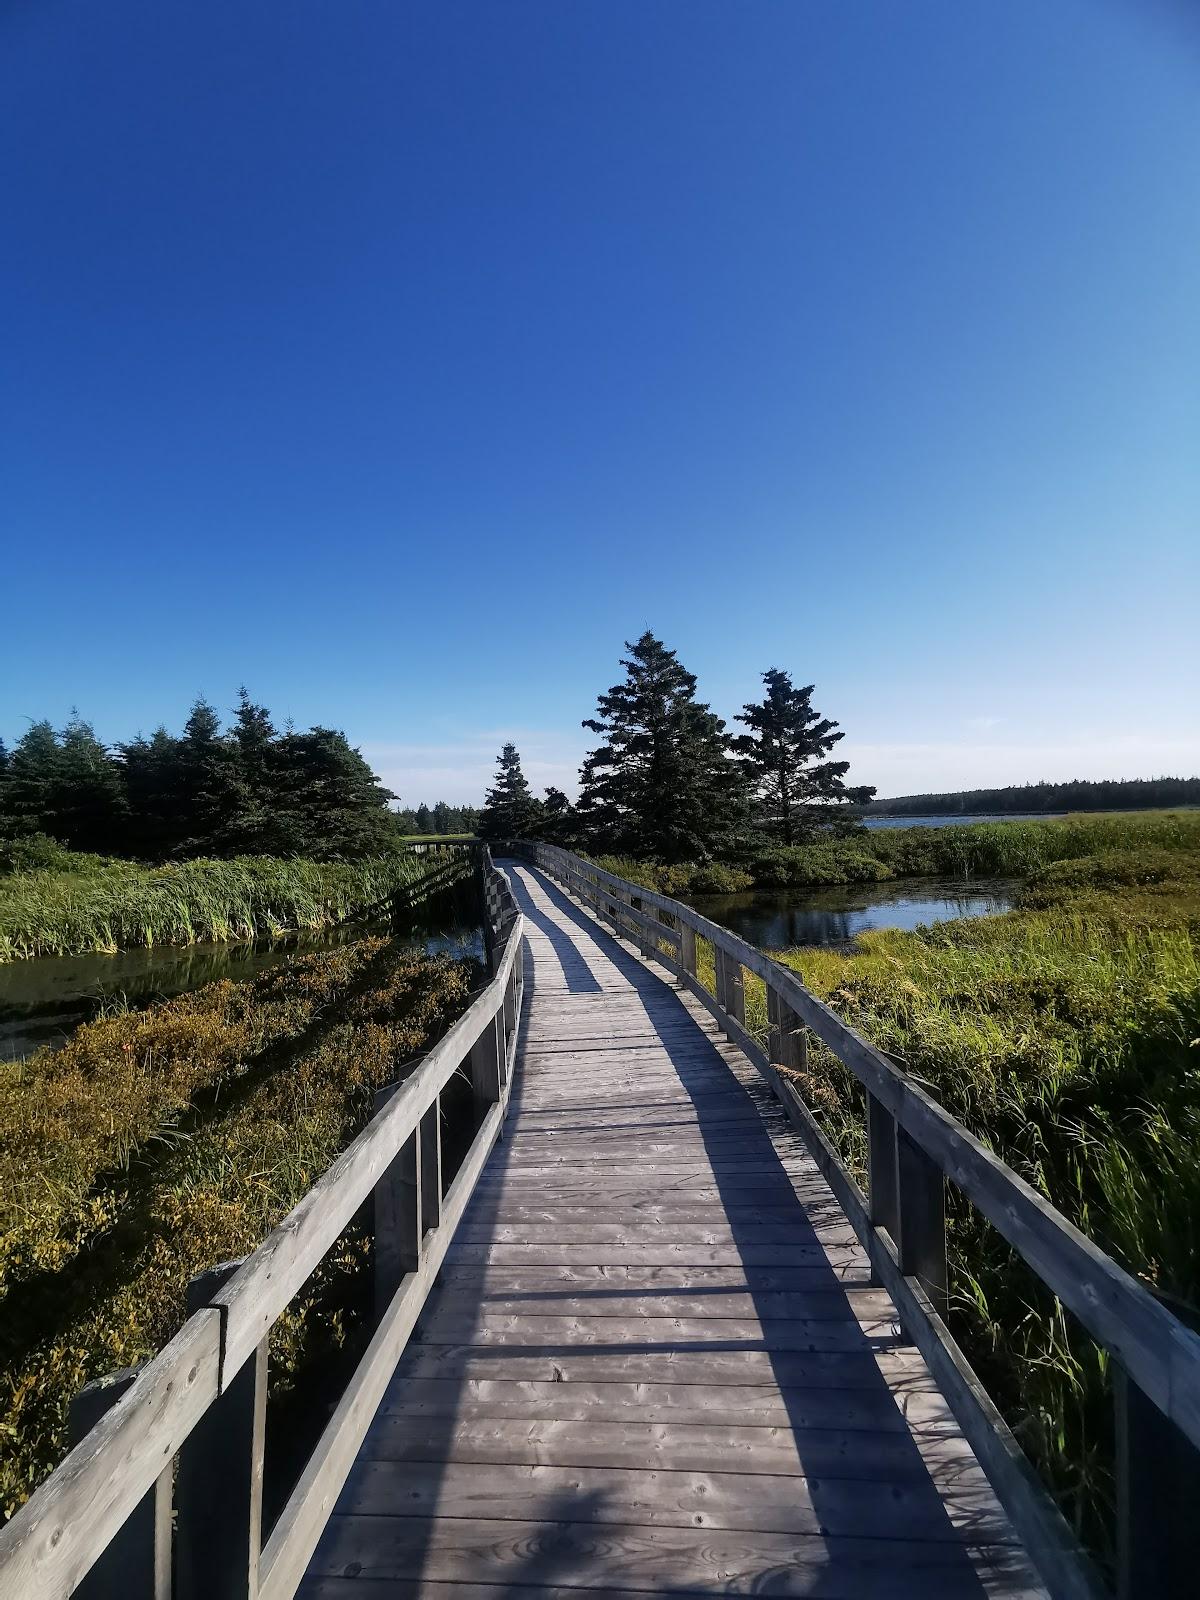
(654, 1361)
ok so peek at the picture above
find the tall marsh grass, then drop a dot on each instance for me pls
(1066, 1036)
(120, 905)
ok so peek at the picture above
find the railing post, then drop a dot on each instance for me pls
(398, 1224)
(486, 1065)
(731, 993)
(431, 1165)
(137, 1563)
(219, 1488)
(1158, 1493)
(687, 948)
(921, 1219)
(882, 1193)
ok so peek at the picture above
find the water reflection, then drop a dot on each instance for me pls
(778, 919)
(44, 1000)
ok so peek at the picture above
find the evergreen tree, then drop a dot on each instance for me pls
(509, 809)
(792, 785)
(206, 779)
(30, 786)
(87, 799)
(331, 805)
(152, 782)
(558, 819)
(251, 825)
(424, 819)
(662, 785)
(443, 819)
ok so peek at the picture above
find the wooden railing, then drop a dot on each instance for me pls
(162, 1494)
(914, 1147)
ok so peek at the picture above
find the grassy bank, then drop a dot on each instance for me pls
(109, 905)
(158, 1143)
(976, 850)
(1066, 1035)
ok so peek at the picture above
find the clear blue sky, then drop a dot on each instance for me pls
(403, 359)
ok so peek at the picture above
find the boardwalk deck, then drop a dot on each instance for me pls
(655, 1362)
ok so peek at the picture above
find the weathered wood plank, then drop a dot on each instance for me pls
(665, 1560)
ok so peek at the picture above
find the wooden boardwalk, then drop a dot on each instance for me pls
(655, 1363)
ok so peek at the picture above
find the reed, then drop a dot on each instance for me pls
(1064, 1034)
(119, 905)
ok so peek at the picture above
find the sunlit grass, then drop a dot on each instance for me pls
(123, 905)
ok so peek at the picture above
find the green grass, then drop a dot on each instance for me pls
(119, 905)
(157, 1143)
(973, 850)
(1066, 1035)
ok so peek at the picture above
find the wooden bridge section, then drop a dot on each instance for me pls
(655, 1362)
(637, 1328)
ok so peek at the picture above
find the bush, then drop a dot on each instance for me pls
(811, 865)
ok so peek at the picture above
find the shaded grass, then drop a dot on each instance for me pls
(158, 1143)
(121, 905)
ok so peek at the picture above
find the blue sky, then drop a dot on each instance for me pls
(402, 360)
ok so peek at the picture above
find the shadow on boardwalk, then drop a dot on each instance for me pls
(883, 1534)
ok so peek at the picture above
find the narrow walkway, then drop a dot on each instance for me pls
(656, 1364)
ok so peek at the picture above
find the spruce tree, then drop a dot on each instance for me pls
(662, 785)
(558, 819)
(31, 784)
(87, 799)
(792, 786)
(206, 778)
(331, 805)
(509, 809)
(251, 825)
(152, 782)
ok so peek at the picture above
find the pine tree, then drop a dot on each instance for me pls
(662, 785)
(87, 799)
(792, 786)
(424, 819)
(509, 809)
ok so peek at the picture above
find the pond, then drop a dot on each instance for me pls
(778, 919)
(42, 1001)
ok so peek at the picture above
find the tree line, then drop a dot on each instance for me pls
(1079, 794)
(667, 780)
(250, 789)
(440, 819)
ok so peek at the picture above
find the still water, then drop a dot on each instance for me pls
(778, 919)
(43, 1001)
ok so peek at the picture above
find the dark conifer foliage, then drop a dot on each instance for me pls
(791, 784)
(248, 791)
(509, 809)
(558, 822)
(662, 784)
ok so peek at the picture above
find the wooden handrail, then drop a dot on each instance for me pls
(914, 1145)
(67, 1524)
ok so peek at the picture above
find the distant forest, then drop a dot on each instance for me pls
(1080, 794)
(440, 819)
